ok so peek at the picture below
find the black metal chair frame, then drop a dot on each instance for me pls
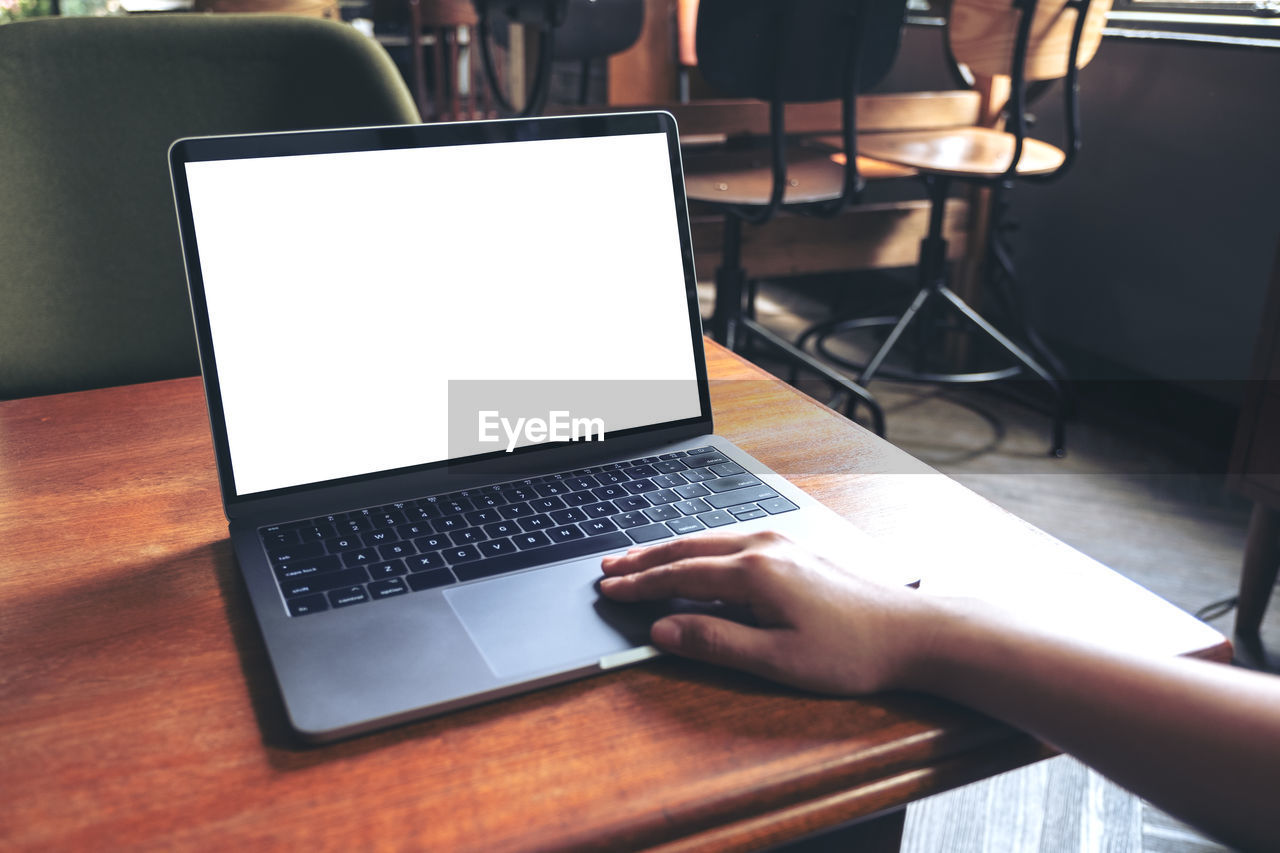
(932, 269)
(729, 322)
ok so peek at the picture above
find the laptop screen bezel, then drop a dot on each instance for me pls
(201, 149)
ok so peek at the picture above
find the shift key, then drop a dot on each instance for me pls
(751, 494)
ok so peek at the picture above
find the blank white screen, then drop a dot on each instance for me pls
(345, 290)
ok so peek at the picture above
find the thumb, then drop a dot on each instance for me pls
(717, 641)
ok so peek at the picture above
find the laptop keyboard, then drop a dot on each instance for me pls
(398, 549)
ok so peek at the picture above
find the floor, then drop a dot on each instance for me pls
(1138, 497)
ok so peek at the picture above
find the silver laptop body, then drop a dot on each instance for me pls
(409, 333)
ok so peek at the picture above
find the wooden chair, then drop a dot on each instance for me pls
(803, 51)
(91, 275)
(1027, 40)
(579, 31)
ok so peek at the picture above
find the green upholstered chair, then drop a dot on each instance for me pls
(92, 288)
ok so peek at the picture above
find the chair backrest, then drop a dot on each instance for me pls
(983, 33)
(92, 286)
(797, 50)
(592, 29)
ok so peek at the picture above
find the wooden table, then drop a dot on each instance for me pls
(137, 708)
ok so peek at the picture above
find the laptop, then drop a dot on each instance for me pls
(448, 368)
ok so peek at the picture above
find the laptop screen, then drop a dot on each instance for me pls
(352, 296)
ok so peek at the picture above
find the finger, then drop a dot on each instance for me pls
(703, 545)
(719, 578)
(720, 642)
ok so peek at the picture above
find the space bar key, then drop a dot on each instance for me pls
(503, 563)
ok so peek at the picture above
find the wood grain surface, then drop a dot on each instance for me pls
(983, 32)
(137, 708)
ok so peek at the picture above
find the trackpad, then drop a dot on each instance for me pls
(547, 619)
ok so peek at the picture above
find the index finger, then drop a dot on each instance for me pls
(684, 548)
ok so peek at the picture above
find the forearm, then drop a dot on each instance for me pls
(1200, 740)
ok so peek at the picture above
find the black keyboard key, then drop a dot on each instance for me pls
(348, 596)
(635, 472)
(307, 604)
(662, 496)
(692, 507)
(724, 469)
(494, 547)
(747, 513)
(430, 580)
(387, 588)
(675, 455)
(600, 510)
(320, 583)
(649, 533)
(462, 554)
(547, 504)
(568, 516)
(751, 494)
(540, 556)
(519, 494)
(448, 523)
(293, 553)
(609, 478)
(606, 493)
(339, 544)
(396, 550)
(579, 498)
(281, 538)
(422, 512)
(597, 526)
(488, 500)
(425, 562)
(532, 539)
(483, 516)
(555, 487)
(502, 528)
(705, 461)
(716, 518)
(700, 450)
(354, 524)
(631, 519)
(577, 484)
(516, 510)
(379, 537)
(388, 519)
(469, 536)
(317, 532)
(670, 466)
(728, 484)
(662, 513)
(637, 487)
(536, 522)
(632, 502)
(685, 525)
(433, 542)
(692, 490)
(456, 506)
(777, 505)
(698, 475)
(386, 569)
(415, 529)
(564, 534)
(359, 557)
(669, 481)
(304, 568)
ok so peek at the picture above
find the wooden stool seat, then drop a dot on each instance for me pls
(744, 177)
(961, 152)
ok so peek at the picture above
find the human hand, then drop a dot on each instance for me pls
(818, 625)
